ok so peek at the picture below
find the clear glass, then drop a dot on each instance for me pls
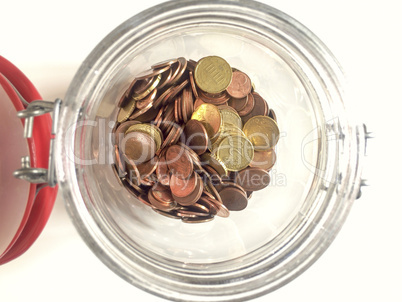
(286, 226)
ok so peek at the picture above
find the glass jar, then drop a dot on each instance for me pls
(286, 226)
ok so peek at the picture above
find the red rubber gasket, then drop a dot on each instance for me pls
(42, 205)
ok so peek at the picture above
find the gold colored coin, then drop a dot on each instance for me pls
(231, 128)
(231, 117)
(262, 131)
(236, 152)
(126, 111)
(152, 130)
(227, 129)
(210, 117)
(213, 74)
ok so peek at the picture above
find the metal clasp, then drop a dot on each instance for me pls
(39, 175)
(367, 135)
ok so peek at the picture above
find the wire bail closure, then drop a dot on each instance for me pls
(39, 175)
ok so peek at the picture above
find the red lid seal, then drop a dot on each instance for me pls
(24, 207)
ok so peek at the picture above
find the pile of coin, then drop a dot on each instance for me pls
(193, 140)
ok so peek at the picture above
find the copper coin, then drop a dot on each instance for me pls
(162, 171)
(192, 154)
(169, 214)
(170, 133)
(176, 68)
(190, 104)
(162, 193)
(260, 108)
(161, 200)
(159, 101)
(198, 102)
(167, 119)
(249, 105)
(211, 188)
(138, 87)
(214, 176)
(138, 112)
(227, 184)
(151, 73)
(206, 202)
(183, 107)
(182, 66)
(165, 63)
(253, 179)
(120, 165)
(196, 136)
(170, 127)
(176, 109)
(187, 104)
(175, 91)
(121, 130)
(178, 136)
(197, 219)
(221, 209)
(203, 173)
(191, 65)
(133, 175)
(215, 99)
(135, 190)
(145, 115)
(187, 213)
(147, 181)
(179, 161)
(179, 108)
(194, 157)
(272, 115)
(135, 96)
(193, 85)
(158, 119)
(182, 187)
(238, 104)
(194, 196)
(240, 86)
(147, 168)
(138, 146)
(264, 159)
(165, 78)
(206, 193)
(171, 136)
(198, 208)
(141, 104)
(234, 199)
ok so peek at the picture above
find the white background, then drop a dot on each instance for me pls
(49, 39)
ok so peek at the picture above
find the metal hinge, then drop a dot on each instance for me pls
(32, 110)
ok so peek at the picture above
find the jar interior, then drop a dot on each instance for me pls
(279, 81)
